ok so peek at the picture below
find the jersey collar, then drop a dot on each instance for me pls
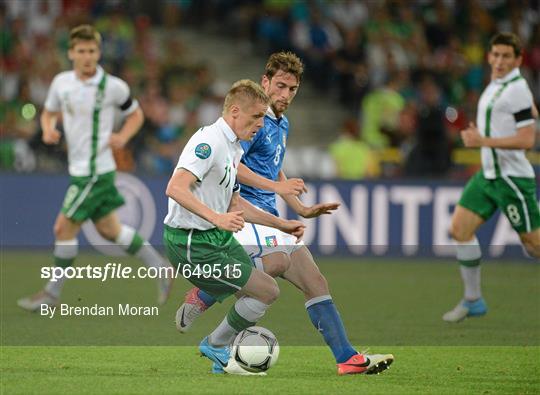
(226, 129)
(95, 80)
(270, 113)
(512, 74)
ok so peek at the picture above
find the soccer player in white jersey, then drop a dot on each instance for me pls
(86, 98)
(273, 251)
(205, 209)
(505, 128)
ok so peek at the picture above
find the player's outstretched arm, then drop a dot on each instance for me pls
(48, 121)
(293, 186)
(254, 215)
(307, 211)
(523, 139)
(130, 128)
(179, 189)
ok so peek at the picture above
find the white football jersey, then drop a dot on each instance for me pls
(88, 109)
(212, 155)
(504, 107)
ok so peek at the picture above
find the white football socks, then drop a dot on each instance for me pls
(133, 243)
(468, 255)
(245, 312)
(65, 252)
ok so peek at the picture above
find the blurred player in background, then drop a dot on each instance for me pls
(258, 174)
(86, 99)
(205, 209)
(505, 128)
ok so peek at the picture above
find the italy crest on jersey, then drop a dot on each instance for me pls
(271, 241)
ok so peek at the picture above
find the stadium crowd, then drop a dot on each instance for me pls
(408, 73)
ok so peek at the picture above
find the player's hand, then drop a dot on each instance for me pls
(291, 186)
(293, 227)
(319, 209)
(117, 141)
(232, 221)
(51, 137)
(471, 136)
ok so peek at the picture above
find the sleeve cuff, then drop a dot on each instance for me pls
(191, 170)
(132, 107)
(526, 122)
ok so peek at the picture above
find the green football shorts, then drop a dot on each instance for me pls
(210, 259)
(516, 197)
(91, 197)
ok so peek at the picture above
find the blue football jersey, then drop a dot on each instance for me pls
(264, 155)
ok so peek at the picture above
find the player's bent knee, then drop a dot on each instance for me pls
(459, 233)
(63, 230)
(58, 231)
(531, 242)
(107, 234)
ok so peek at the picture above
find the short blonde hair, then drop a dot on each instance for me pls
(244, 92)
(84, 33)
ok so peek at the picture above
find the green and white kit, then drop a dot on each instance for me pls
(507, 180)
(212, 155)
(88, 111)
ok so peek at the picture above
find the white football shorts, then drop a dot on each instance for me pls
(260, 240)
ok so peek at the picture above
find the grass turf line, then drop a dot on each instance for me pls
(302, 370)
(397, 304)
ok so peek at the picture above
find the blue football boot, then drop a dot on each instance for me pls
(466, 309)
(219, 355)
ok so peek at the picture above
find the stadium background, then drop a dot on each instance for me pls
(388, 86)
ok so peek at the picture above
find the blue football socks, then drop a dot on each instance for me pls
(326, 319)
(208, 300)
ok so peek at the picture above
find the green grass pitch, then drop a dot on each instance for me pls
(390, 306)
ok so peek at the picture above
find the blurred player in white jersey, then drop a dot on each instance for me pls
(505, 127)
(86, 98)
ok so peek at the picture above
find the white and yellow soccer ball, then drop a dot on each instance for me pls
(255, 349)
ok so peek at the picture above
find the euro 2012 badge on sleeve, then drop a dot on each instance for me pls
(203, 151)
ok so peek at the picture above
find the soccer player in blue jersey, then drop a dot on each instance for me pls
(276, 252)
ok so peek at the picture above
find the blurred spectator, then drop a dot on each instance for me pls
(273, 26)
(385, 53)
(531, 61)
(438, 27)
(348, 15)
(18, 118)
(351, 71)
(118, 38)
(369, 53)
(317, 40)
(212, 105)
(162, 134)
(430, 154)
(354, 159)
(380, 113)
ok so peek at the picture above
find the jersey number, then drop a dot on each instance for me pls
(278, 154)
(227, 176)
(513, 214)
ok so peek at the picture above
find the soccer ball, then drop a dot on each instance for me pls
(256, 349)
